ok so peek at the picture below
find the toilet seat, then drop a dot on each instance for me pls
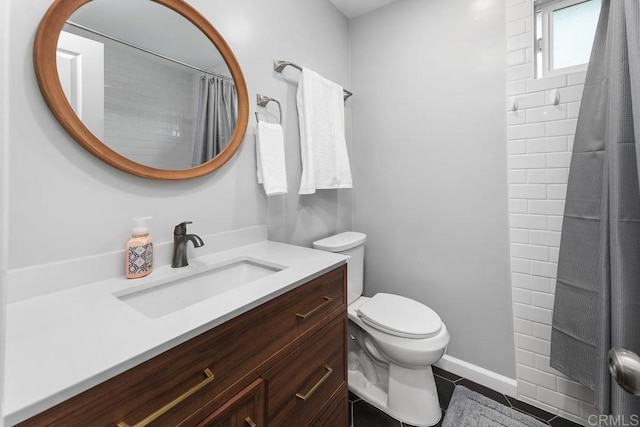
(400, 316)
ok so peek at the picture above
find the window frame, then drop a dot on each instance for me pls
(542, 39)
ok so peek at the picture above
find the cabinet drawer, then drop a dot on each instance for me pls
(235, 352)
(336, 412)
(246, 409)
(307, 306)
(303, 381)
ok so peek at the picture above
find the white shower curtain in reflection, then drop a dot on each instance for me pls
(217, 116)
(597, 300)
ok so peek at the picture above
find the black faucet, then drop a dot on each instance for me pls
(180, 239)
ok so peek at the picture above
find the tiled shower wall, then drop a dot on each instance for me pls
(150, 108)
(539, 142)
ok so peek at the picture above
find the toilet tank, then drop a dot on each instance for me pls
(351, 244)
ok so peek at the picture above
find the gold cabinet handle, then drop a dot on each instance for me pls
(315, 310)
(157, 414)
(318, 384)
(250, 422)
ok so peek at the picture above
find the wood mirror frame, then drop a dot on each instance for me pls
(44, 57)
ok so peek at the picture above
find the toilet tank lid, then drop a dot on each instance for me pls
(340, 242)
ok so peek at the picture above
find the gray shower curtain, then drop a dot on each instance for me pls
(217, 116)
(597, 302)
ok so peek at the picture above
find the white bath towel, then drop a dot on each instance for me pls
(272, 173)
(323, 147)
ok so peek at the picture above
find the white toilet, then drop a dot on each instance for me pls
(394, 341)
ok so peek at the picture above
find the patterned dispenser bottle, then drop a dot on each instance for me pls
(139, 252)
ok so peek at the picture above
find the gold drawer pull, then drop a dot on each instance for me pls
(318, 384)
(250, 422)
(157, 414)
(312, 312)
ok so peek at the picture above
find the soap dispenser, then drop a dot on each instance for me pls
(139, 250)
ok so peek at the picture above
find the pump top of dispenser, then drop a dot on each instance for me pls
(140, 226)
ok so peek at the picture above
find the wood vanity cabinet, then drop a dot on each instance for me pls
(244, 409)
(281, 364)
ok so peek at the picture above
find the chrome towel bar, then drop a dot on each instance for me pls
(263, 100)
(279, 66)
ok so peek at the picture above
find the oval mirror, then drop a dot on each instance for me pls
(148, 86)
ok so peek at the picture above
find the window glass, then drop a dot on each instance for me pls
(573, 31)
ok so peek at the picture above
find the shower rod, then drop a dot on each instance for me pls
(140, 48)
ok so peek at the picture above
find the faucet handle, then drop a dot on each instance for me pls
(181, 229)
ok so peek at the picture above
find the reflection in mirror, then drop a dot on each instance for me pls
(149, 84)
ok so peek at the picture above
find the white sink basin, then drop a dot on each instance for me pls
(157, 299)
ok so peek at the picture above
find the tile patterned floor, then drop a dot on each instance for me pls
(364, 415)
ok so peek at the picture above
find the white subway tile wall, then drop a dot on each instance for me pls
(539, 140)
(150, 108)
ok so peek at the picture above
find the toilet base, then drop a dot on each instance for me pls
(414, 398)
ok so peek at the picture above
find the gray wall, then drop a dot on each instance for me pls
(310, 33)
(65, 204)
(430, 166)
(4, 181)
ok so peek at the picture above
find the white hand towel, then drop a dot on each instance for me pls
(272, 173)
(323, 147)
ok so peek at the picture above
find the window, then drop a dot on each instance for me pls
(564, 32)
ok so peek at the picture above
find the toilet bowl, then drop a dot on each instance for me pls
(393, 343)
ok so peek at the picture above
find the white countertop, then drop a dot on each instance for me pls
(61, 344)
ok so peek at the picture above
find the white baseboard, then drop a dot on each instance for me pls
(479, 375)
